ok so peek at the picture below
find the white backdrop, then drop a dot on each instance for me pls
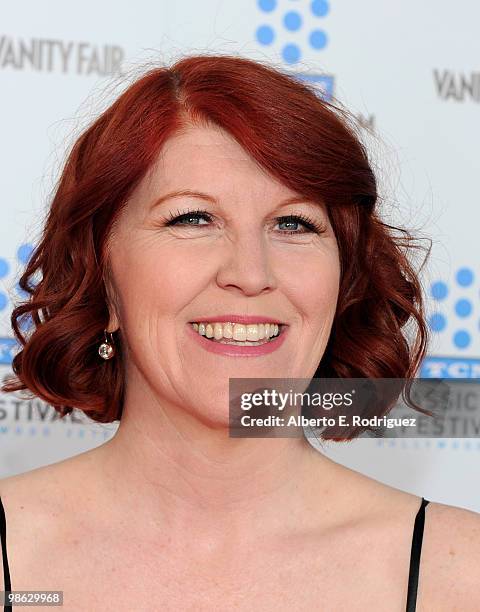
(408, 70)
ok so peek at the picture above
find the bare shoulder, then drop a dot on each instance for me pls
(40, 487)
(32, 500)
(44, 508)
(27, 503)
(52, 488)
(450, 562)
(450, 557)
(27, 492)
(42, 500)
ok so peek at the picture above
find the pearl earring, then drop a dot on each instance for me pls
(107, 349)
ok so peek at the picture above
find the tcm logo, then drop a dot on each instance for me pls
(457, 86)
(450, 367)
(299, 28)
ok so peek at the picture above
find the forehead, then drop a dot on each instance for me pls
(209, 138)
(208, 158)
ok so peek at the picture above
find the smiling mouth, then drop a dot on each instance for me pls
(238, 334)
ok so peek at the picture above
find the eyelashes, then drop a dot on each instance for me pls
(310, 225)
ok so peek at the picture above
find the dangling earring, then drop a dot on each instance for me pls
(107, 349)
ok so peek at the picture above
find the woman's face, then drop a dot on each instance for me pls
(237, 259)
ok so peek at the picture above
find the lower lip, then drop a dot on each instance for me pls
(232, 350)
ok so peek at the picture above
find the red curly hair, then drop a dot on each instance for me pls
(309, 144)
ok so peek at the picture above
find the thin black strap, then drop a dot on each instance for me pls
(3, 539)
(415, 553)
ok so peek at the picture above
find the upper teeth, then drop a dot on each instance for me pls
(237, 331)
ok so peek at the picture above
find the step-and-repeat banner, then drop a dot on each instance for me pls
(408, 71)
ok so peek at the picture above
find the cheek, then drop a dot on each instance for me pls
(313, 284)
(157, 282)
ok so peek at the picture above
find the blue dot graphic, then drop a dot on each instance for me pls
(318, 39)
(439, 290)
(267, 5)
(24, 252)
(3, 300)
(465, 277)
(291, 53)
(437, 322)
(4, 267)
(319, 8)
(463, 308)
(292, 21)
(461, 339)
(265, 35)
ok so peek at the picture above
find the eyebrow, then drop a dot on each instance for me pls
(181, 193)
(208, 198)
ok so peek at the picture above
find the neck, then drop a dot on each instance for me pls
(169, 470)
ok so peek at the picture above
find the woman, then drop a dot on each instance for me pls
(219, 196)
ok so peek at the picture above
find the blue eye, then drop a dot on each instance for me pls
(300, 219)
(188, 216)
(193, 217)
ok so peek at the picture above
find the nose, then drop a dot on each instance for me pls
(246, 265)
